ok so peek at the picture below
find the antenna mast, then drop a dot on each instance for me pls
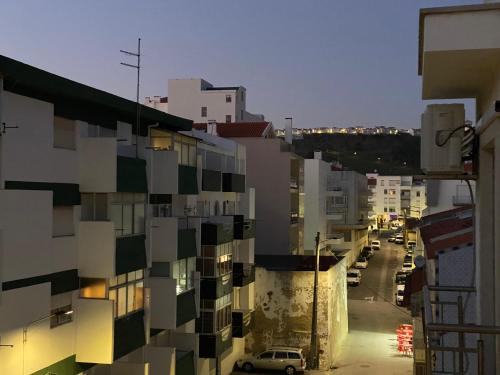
(138, 67)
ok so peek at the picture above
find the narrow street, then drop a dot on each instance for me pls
(371, 346)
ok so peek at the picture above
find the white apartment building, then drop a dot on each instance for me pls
(393, 197)
(120, 253)
(202, 102)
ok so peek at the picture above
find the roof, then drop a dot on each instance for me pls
(295, 262)
(443, 215)
(241, 129)
(223, 88)
(447, 234)
(77, 101)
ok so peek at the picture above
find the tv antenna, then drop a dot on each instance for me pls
(138, 67)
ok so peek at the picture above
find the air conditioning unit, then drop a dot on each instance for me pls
(441, 139)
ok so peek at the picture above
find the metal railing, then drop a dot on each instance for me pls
(440, 355)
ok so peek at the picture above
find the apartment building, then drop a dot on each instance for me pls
(347, 213)
(200, 101)
(122, 252)
(394, 197)
(466, 38)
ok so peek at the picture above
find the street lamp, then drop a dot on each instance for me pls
(25, 328)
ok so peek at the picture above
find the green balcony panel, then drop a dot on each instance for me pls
(243, 228)
(131, 175)
(243, 322)
(216, 287)
(211, 180)
(212, 346)
(186, 243)
(186, 307)
(67, 366)
(184, 362)
(232, 182)
(243, 274)
(130, 253)
(62, 194)
(216, 233)
(129, 334)
(188, 180)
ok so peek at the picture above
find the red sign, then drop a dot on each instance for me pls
(405, 339)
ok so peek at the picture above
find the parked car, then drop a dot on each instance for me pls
(399, 239)
(367, 252)
(289, 360)
(400, 294)
(361, 262)
(400, 278)
(408, 258)
(376, 245)
(407, 267)
(410, 251)
(391, 239)
(353, 276)
(411, 244)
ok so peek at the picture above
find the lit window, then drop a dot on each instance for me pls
(92, 288)
(182, 272)
(127, 292)
(60, 316)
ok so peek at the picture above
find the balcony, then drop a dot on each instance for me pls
(129, 334)
(169, 242)
(216, 287)
(188, 180)
(212, 346)
(243, 322)
(170, 310)
(102, 255)
(216, 233)
(97, 166)
(131, 175)
(164, 178)
(243, 274)
(211, 180)
(294, 184)
(232, 182)
(243, 229)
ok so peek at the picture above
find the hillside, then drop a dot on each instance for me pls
(386, 154)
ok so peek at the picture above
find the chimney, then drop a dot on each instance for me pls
(288, 131)
(212, 127)
(318, 155)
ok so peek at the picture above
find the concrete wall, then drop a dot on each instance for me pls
(283, 311)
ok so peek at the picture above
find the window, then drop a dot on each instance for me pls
(94, 207)
(161, 140)
(392, 209)
(127, 292)
(266, 355)
(216, 260)
(242, 95)
(418, 194)
(62, 221)
(186, 150)
(203, 111)
(382, 182)
(127, 213)
(92, 288)
(228, 99)
(241, 118)
(292, 355)
(64, 133)
(228, 118)
(183, 270)
(385, 191)
(218, 316)
(60, 316)
(385, 209)
(281, 355)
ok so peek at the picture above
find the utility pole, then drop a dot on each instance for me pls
(405, 234)
(313, 351)
(138, 67)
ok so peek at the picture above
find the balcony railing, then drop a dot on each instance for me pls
(243, 228)
(216, 233)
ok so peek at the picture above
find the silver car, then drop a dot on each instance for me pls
(289, 360)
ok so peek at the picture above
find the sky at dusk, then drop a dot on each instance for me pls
(324, 62)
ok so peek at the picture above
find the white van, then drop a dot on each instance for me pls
(353, 276)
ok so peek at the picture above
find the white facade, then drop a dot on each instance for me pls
(200, 101)
(391, 196)
(443, 195)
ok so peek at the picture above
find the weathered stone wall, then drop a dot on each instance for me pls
(283, 311)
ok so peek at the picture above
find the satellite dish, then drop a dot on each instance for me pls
(419, 261)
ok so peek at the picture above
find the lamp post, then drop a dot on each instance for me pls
(25, 328)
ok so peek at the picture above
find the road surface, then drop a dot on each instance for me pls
(371, 346)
